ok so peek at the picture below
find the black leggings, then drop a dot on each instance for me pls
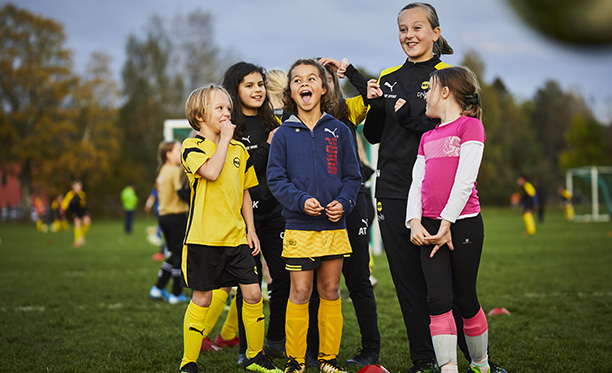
(454, 270)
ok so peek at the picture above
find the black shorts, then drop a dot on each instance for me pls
(309, 264)
(78, 212)
(212, 267)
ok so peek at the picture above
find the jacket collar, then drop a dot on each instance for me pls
(295, 122)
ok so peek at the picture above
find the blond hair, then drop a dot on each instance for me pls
(199, 102)
(276, 84)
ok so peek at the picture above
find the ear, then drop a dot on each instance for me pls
(445, 92)
(437, 33)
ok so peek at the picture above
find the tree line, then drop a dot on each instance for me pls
(57, 125)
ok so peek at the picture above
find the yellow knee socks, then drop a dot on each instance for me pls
(296, 329)
(230, 327)
(330, 328)
(254, 327)
(217, 305)
(529, 223)
(193, 332)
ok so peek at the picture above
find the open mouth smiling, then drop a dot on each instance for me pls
(305, 95)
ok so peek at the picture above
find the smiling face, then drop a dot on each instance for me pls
(306, 88)
(220, 111)
(252, 93)
(416, 35)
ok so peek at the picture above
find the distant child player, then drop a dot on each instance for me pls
(443, 215)
(529, 202)
(75, 203)
(314, 173)
(220, 238)
(568, 207)
(172, 219)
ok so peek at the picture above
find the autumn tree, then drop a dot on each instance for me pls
(175, 56)
(35, 80)
(586, 144)
(94, 154)
(510, 142)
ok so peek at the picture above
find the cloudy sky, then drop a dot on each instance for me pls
(273, 33)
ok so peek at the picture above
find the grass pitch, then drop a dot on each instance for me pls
(70, 310)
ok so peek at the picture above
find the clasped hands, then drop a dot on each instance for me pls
(420, 236)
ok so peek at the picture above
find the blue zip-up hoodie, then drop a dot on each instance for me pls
(321, 163)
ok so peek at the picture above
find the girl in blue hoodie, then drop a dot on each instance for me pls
(314, 173)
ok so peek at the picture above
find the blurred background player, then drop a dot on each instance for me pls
(529, 202)
(172, 221)
(129, 200)
(75, 204)
(568, 207)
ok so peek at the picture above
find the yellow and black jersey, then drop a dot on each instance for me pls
(215, 217)
(357, 110)
(529, 196)
(168, 183)
(74, 201)
(399, 133)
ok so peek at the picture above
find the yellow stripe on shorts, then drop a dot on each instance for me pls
(313, 244)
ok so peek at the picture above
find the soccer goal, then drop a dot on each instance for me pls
(176, 129)
(590, 187)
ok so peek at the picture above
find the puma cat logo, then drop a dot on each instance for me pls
(390, 86)
(332, 132)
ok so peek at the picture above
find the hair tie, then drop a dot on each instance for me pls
(473, 99)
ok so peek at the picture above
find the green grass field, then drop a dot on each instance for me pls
(87, 310)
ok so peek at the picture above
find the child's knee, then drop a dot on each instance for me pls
(328, 290)
(251, 293)
(201, 298)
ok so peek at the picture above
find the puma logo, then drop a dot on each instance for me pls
(390, 86)
(196, 330)
(247, 139)
(365, 222)
(332, 132)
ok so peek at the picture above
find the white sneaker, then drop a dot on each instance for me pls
(173, 299)
(157, 293)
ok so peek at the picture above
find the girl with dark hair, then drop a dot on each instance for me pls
(256, 123)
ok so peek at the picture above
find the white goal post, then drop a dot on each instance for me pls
(176, 129)
(599, 179)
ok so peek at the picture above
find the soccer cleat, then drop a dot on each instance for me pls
(260, 363)
(191, 368)
(424, 366)
(157, 293)
(219, 341)
(476, 369)
(174, 299)
(208, 345)
(493, 368)
(241, 357)
(330, 366)
(293, 366)
(496, 368)
(274, 349)
(365, 356)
